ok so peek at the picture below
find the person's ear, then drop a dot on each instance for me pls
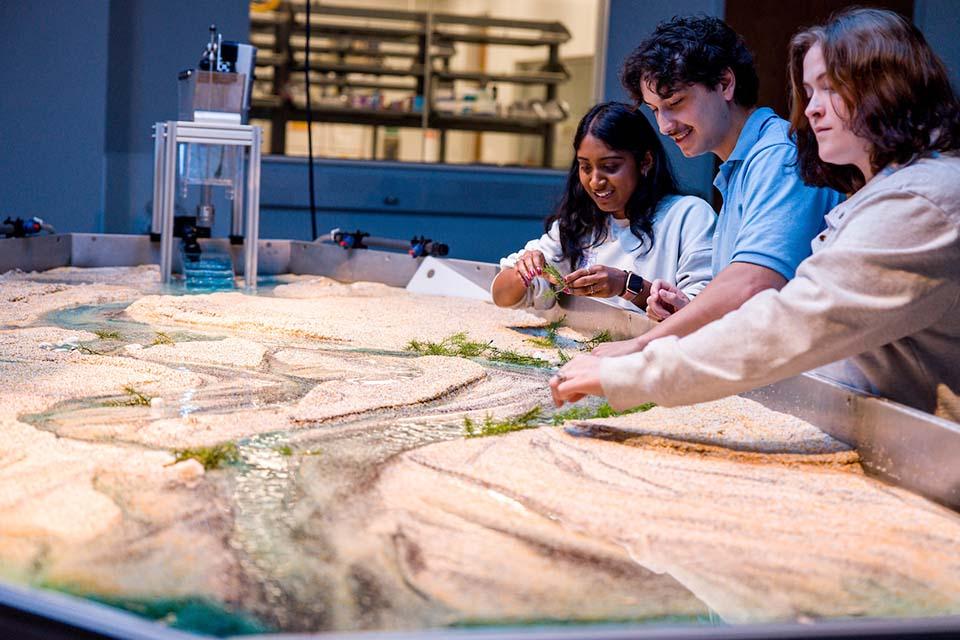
(647, 164)
(728, 84)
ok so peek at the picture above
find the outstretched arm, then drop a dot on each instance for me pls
(893, 271)
(731, 288)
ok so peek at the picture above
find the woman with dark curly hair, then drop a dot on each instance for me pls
(877, 305)
(621, 223)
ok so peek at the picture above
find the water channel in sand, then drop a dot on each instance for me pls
(356, 502)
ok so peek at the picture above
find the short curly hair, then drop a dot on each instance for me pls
(687, 50)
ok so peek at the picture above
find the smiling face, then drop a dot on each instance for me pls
(697, 118)
(608, 175)
(828, 118)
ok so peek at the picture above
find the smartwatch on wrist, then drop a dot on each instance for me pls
(633, 286)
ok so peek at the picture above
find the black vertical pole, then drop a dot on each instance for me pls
(306, 78)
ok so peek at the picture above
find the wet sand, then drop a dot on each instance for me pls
(23, 302)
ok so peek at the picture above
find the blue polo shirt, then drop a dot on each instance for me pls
(769, 216)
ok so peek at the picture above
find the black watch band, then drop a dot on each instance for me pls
(634, 285)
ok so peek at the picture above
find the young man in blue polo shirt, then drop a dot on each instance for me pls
(698, 78)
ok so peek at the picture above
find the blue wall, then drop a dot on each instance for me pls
(149, 43)
(630, 22)
(483, 213)
(84, 81)
(940, 22)
(53, 108)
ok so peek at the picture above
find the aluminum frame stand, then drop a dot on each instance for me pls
(167, 138)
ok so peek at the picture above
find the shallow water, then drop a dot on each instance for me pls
(265, 490)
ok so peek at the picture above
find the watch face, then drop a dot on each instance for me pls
(634, 283)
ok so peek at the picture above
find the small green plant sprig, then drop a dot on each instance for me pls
(512, 357)
(600, 411)
(535, 418)
(549, 340)
(286, 450)
(491, 427)
(108, 334)
(545, 342)
(87, 351)
(587, 345)
(459, 345)
(210, 457)
(161, 338)
(598, 338)
(558, 284)
(134, 398)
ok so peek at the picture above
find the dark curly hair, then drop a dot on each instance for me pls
(892, 84)
(582, 224)
(687, 50)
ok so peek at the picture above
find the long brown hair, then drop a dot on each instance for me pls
(893, 85)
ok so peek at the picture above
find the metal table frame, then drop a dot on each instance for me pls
(167, 139)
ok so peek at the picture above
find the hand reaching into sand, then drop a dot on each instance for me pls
(578, 378)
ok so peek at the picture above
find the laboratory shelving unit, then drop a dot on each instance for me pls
(398, 51)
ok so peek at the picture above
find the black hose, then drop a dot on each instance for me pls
(306, 76)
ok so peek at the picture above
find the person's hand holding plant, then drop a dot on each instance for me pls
(530, 265)
(597, 281)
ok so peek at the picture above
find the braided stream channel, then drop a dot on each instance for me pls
(296, 569)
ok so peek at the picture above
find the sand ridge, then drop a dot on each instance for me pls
(733, 428)
(229, 351)
(754, 541)
(363, 322)
(143, 277)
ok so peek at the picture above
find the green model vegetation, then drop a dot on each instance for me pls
(459, 345)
